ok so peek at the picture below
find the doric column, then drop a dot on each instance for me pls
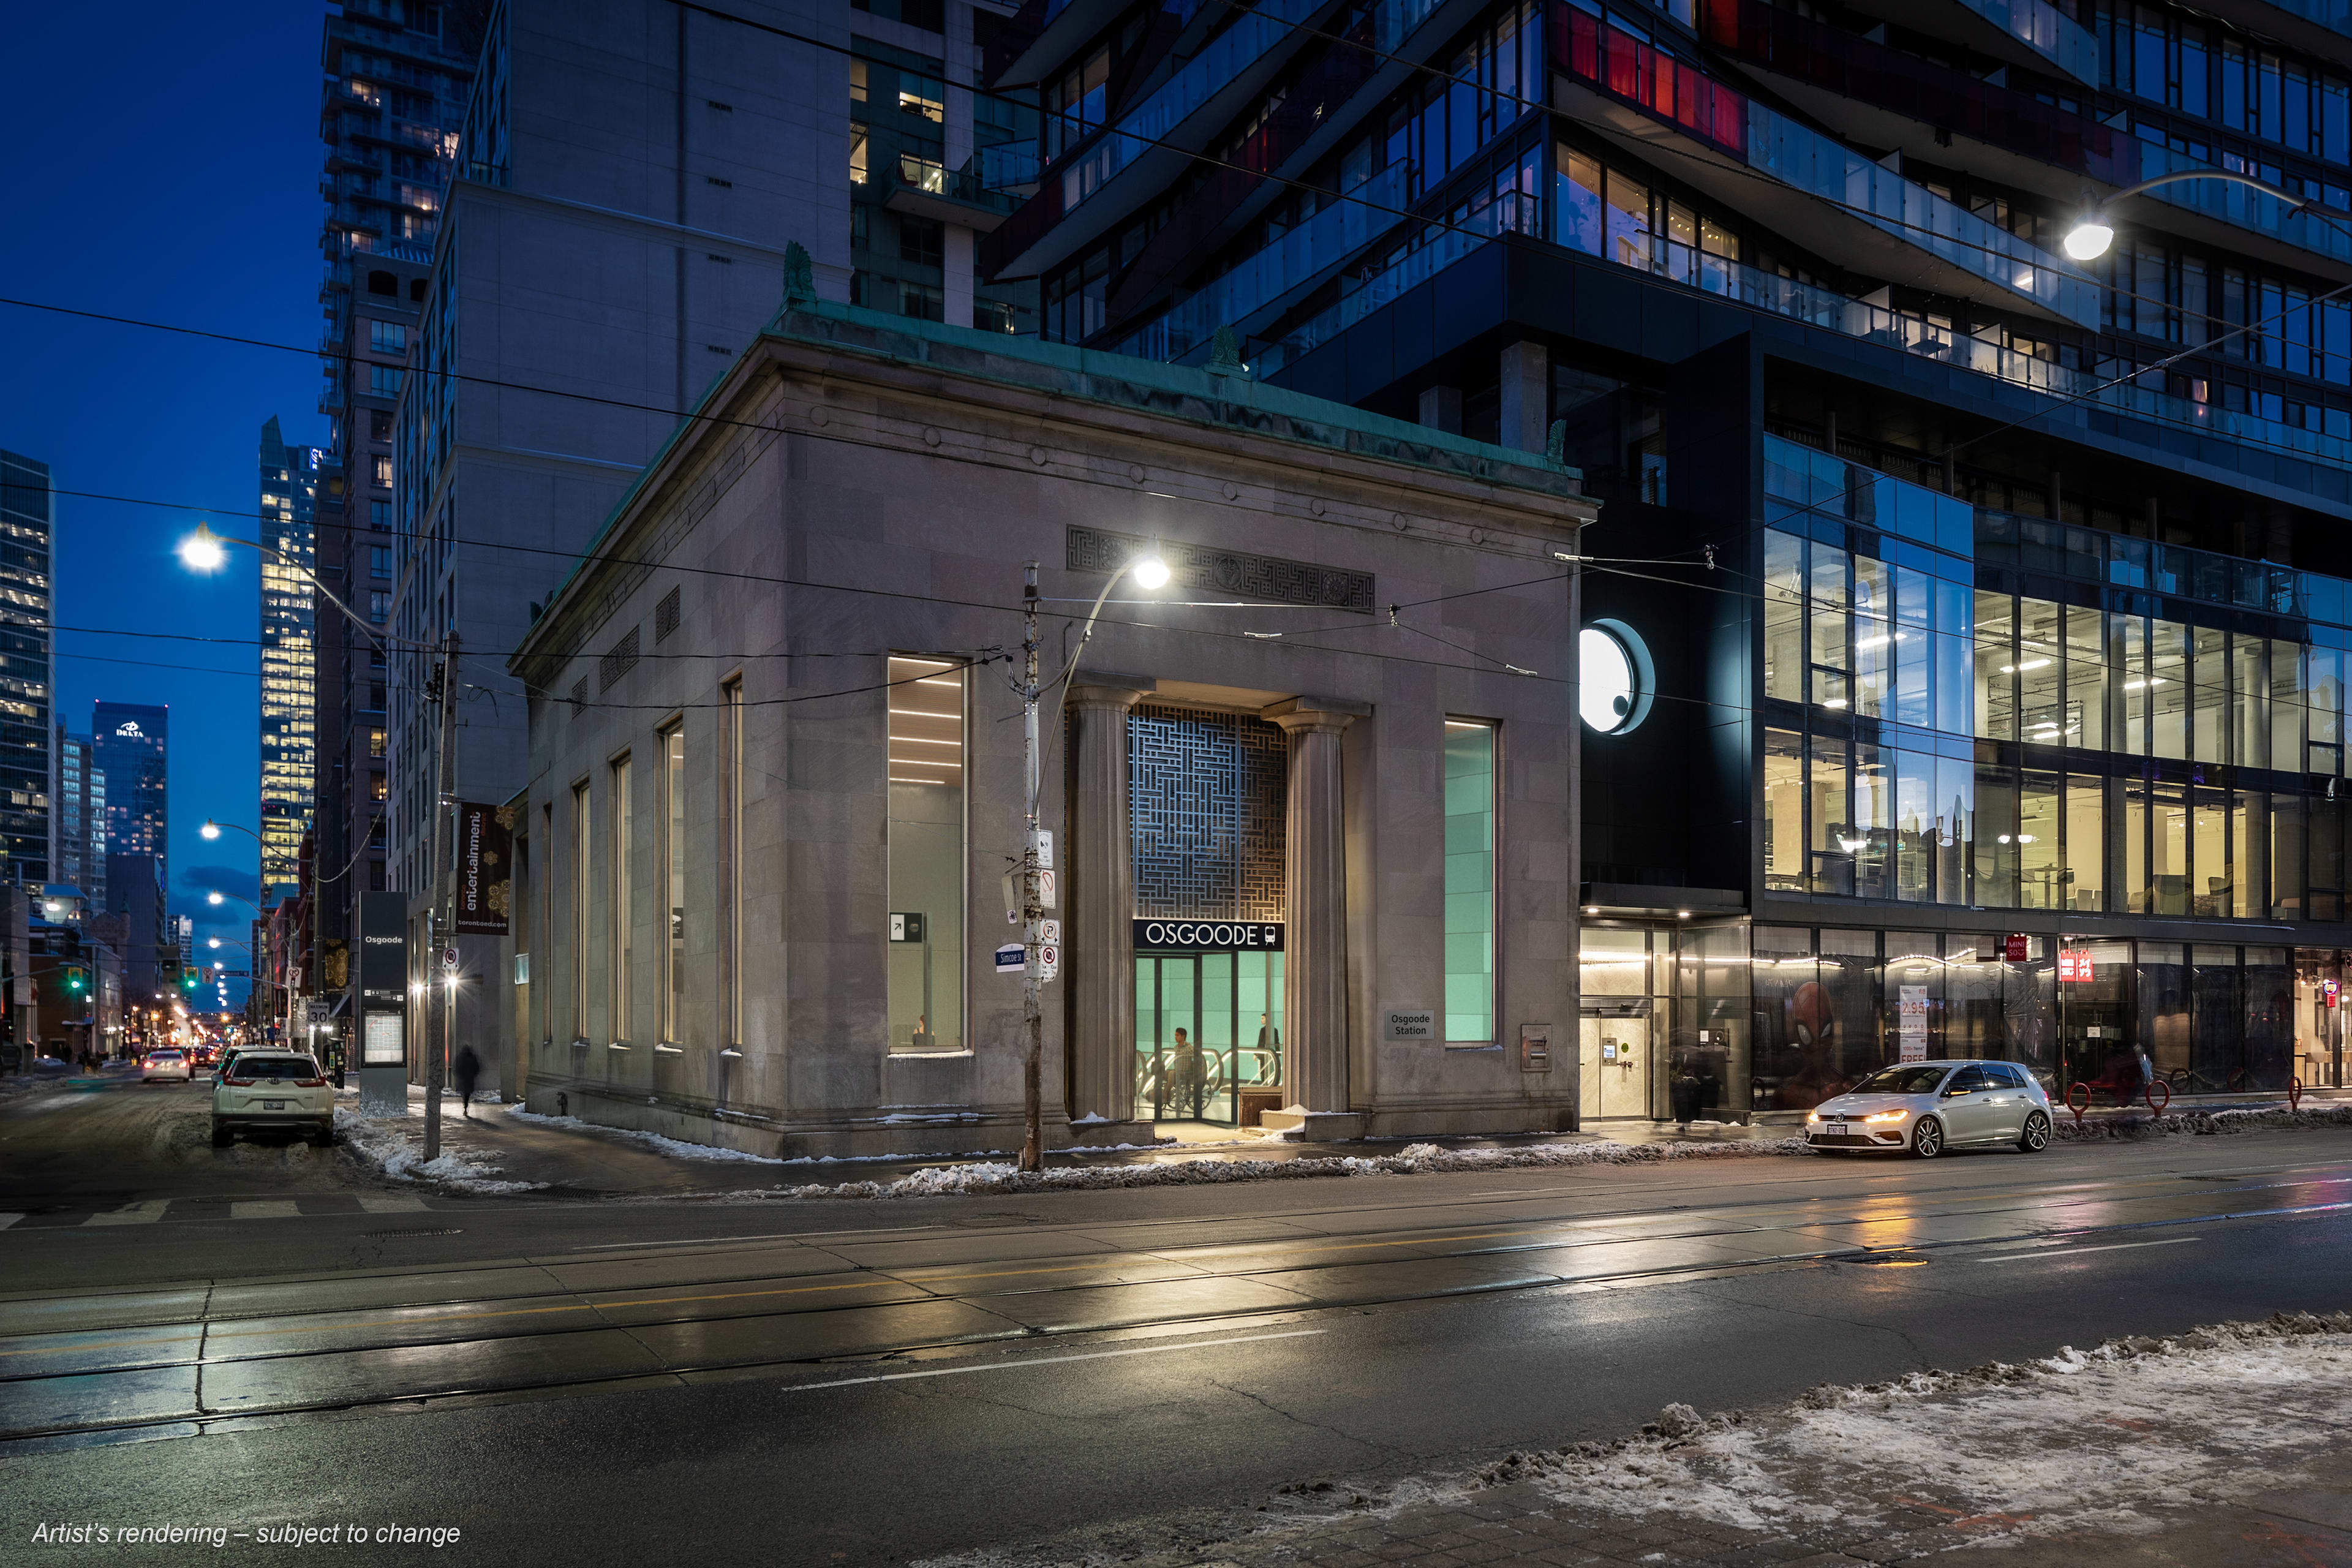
(1099, 876)
(1315, 936)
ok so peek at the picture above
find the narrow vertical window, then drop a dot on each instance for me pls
(673, 788)
(1469, 882)
(583, 827)
(730, 861)
(620, 948)
(546, 991)
(925, 848)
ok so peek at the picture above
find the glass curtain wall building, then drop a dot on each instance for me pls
(1982, 612)
(289, 488)
(27, 667)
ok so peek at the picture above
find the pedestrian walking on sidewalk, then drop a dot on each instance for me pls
(466, 1069)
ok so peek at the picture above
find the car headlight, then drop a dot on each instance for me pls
(1887, 1116)
(1812, 1116)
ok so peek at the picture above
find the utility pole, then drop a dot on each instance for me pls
(439, 924)
(1033, 1144)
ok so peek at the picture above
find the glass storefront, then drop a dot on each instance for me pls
(1666, 1023)
(1829, 1005)
(1208, 1035)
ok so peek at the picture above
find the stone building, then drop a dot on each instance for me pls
(1313, 800)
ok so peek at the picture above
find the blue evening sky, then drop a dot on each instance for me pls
(163, 163)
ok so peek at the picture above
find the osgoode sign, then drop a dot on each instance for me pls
(1214, 936)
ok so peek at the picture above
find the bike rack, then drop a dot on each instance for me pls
(2294, 1094)
(2078, 1105)
(2149, 1094)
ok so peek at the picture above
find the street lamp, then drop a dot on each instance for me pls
(202, 552)
(2094, 231)
(212, 829)
(1149, 572)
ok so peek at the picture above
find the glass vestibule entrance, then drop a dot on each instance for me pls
(1208, 1035)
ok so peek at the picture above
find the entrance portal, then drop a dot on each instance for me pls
(1208, 1035)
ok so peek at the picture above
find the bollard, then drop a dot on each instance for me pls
(2153, 1085)
(2294, 1094)
(2078, 1105)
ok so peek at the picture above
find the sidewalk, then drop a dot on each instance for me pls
(503, 1150)
(2216, 1449)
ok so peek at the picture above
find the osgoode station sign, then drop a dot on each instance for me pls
(1211, 936)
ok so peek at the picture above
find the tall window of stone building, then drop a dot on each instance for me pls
(674, 883)
(622, 950)
(730, 861)
(925, 850)
(581, 828)
(1469, 882)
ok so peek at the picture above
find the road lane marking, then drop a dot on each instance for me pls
(2071, 1251)
(8, 1219)
(265, 1208)
(1051, 1360)
(146, 1213)
(390, 1202)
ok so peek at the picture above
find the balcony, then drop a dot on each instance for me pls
(1831, 311)
(1276, 276)
(1841, 79)
(1861, 214)
(959, 196)
(1233, 67)
(1208, 216)
(2029, 33)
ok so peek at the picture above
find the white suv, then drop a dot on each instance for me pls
(261, 1089)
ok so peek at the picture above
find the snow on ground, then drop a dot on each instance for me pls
(675, 1148)
(389, 1147)
(2130, 1439)
(992, 1176)
(2235, 1118)
(2086, 1440)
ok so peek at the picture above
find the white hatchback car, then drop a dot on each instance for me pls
(264, 1090)
(167, 1062)
(1929, 1107)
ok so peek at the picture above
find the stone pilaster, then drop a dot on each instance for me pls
(1099, 959)
(1315, 936)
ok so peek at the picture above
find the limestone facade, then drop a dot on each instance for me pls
(859, 487)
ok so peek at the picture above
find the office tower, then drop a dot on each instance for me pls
(619, 252)
(397, 76)
(77, 807)
(27, 667)
(2004, 711)
(134, 891)
(290, 488)
(129, 739)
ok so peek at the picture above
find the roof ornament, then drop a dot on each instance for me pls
(1225, 355)
(800, 277)
(1556, 444)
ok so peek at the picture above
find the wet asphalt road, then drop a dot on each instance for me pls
(277, 1337)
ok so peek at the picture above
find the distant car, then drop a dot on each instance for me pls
(1925, 1108)
(167, 1062)
(272, 1090)
(203, 1056)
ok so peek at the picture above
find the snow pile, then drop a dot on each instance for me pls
(393, 1153)
(2104, 1439)
(1415, 1159)
(2203, 1123)
(676, 1149)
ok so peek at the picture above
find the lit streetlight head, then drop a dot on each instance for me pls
(202, 550)
(213, 899)
(215, 943)
(1149, 572)
(2089, 239)
(211, 829)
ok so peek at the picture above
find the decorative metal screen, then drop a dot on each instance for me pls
(1206, 802)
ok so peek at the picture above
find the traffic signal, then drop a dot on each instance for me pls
(76, 979)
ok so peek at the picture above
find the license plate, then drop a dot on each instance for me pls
(1835, 1125)
(273, 1105)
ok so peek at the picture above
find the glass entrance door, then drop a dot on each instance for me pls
(1614, 1053)
(1208, 1028)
